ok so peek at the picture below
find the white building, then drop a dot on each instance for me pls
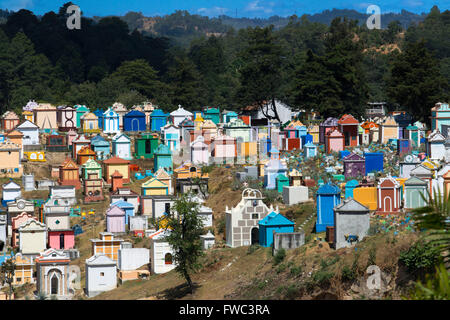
(199, 151)
(133, 258)
(138, 223)
(204, 212)
(110, 121)
(179, 115)
(242, 221)
(171, 136)
(101, 275)
(30, 133)
(20, 205)
(11, 191)
(121, 146)
(52, 269)
(160, 205)
(32, 237)
(436, 146)
(438, 183)
(407, 165)
(28, 182)
(208, 240)
(161, 252)
(65, 193)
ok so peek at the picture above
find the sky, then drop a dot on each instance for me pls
(211, 8)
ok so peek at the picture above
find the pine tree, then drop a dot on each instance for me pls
(415, 81)
(315, 87)
(343, 58)
(140, 76)
(261, 73)
(183, 79)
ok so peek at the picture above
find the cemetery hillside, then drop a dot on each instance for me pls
(186, 157)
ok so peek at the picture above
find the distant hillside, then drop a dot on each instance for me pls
(185, 26)
(405, 18)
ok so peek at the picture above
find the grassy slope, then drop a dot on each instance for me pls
(250, 273)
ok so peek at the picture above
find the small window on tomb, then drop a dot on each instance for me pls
(255, 216)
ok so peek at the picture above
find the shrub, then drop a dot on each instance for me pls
(348, 274)
(296, 271)
(262, 284)
(279, 256)
(322, 277)
(281, 268)
(420, 258)
(291, 292)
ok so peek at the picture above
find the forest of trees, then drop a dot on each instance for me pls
(332, 69)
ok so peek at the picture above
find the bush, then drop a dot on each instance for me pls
(348, 274)
(296, 271)
(262, 284)
(279, 256)
(291, 292)
(322, 277)
(281, 268)
(420, 258)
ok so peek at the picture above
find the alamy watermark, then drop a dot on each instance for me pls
(374, 21)
(74, 20)
(374, 280)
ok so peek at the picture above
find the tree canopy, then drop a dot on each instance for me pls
(333, 69)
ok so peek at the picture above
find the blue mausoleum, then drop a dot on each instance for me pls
(327, 197)
(374, 161)
(273, 222)
(134, 121)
